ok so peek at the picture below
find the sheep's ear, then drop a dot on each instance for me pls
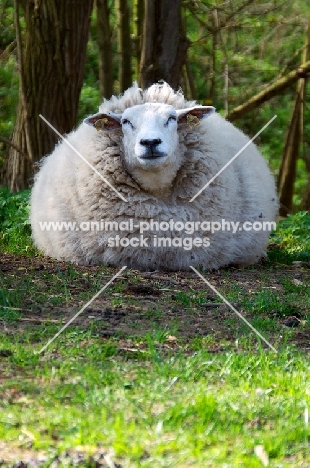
(193, 115)
(105, 122)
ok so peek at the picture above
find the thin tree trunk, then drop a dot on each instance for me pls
(269, 92)
(148, 45)
(287, 173)
(164, 45)
(105, 48)
(305, 205)
(191, 81)
(124, 45)
(51, 57)
(212, 90)
(138, 25)
(306, 200)
(226, 89)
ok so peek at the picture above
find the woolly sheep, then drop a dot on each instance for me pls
(158, 150)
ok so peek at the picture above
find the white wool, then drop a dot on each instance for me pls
(67, 189)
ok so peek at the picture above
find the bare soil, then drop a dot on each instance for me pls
(151, 300)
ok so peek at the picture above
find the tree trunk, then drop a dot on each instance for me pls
(124, 45)
(164, 46)
(287, 173)
(51, 56)
(306, 200)
(226, 88)
(191, 81)
(105, 48)
(138, 31)
(215, 32)
(305, 205)
(269, 92)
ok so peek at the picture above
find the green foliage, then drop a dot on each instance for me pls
(8, 74)
(15, 229)
(255, 46)
(293, 236)
(7, 28)
(8, 96)
(90, 100)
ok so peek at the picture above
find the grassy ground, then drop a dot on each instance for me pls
(157, 371)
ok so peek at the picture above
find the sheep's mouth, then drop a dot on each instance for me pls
(153, 155)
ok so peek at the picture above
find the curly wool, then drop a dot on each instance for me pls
(158, 93)
(67, 189)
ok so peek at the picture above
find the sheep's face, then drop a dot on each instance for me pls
(150, 136)
(150, 139)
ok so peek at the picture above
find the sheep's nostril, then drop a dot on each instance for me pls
(150, 143)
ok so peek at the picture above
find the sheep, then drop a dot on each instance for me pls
(158, 151)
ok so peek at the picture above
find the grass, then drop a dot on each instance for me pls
(15, 232)
(156, 410)
(172, 381)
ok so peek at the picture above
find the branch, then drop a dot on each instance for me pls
(234, 13)
(269, 92)
(9, 49)
(8, 142)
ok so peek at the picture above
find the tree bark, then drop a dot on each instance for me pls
(51, 56)
(215, 33)
(294, 138)
(287, 173)
(164, 46)
(306, 200)
(124, 45)
(191, 81)
(105, 48)
(138, 31)
(269, 92)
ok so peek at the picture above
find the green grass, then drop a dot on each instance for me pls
(292, 239)
(154, 410)
(15, 232)
(155, 393)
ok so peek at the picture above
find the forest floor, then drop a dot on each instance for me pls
(52, 292)
(152, 373)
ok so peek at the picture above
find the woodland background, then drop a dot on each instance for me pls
(157, 371)
(59, 58)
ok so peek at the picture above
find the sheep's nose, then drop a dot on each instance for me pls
(150, 143)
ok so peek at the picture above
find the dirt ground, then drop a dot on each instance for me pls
(157, 300)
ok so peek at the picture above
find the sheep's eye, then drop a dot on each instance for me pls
(171, 119)
(127, 122)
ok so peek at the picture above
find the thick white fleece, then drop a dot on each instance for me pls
(66, 189)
